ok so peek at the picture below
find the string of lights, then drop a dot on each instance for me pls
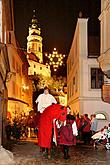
(55, 59)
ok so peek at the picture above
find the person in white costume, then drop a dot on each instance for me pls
(44, 100)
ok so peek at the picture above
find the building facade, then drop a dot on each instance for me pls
(4, 67)
(17, 104)
(104, 58)
(19, 86)
(84, 77)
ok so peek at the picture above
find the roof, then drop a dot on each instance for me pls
(33, 57)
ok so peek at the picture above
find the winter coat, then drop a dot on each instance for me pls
(66, 135)
(94, 123)
(86, 125)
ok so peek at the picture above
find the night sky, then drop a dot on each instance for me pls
(57, 19)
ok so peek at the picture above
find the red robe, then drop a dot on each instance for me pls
(55, 111)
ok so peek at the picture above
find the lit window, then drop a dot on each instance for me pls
(97, 78)
(101, 116)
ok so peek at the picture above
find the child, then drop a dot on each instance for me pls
(66, 137)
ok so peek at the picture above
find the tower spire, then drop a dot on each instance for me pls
(34, 21)
(34, 40)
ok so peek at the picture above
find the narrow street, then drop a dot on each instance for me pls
(27, 153)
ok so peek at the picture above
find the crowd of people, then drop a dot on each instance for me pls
(86, 127)
(64, 132)
(54, 124)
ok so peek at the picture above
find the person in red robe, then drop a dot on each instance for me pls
(55, 111)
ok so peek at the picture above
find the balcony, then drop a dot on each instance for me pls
(106, 93)
(104, 62)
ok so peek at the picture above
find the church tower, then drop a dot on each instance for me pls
(34, 51)
(34, 40)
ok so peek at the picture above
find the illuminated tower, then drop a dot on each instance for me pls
(34, 40)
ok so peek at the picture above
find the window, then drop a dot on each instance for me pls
(13, 87)
(39, 49)
(76, 82)
(13, 62)
(101, 116)
(9, 38)
(97, 78)
(73, 80)
(34, 66)
(33, 46)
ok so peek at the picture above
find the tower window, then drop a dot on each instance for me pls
(39, 49)
(40, 68)
(34, 66)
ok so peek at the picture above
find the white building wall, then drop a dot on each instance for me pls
(97, 106)
(86, 83)
(104, 58)
(85, 100)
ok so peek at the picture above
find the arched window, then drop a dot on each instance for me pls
(100, 116)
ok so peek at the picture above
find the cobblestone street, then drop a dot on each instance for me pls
(27, 153)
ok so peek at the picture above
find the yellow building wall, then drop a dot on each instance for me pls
(19, 99)
(39, 68)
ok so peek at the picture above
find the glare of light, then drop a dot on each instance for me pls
(25, 87)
